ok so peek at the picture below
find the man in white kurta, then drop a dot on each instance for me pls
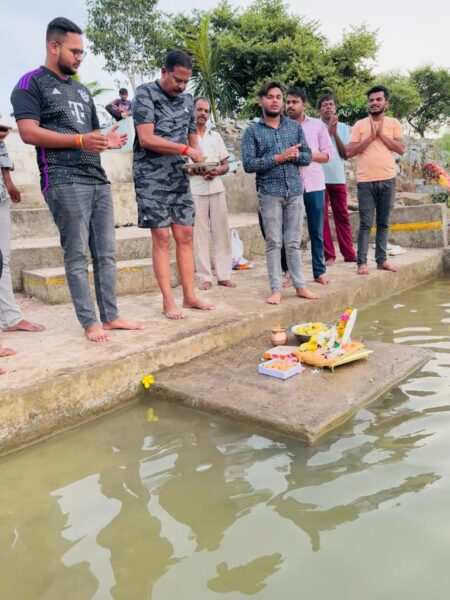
(211, 215)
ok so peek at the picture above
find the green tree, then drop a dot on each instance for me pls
(207, 58)
(93, 86)
(266, 41)
(433, 86)
(404, 97)
(130, 38)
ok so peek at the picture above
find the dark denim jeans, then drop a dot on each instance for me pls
(374, 197)
(314, 206)
(85, 218)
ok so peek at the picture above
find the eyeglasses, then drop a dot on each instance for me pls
(76, 53)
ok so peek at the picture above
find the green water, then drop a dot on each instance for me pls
(197, 507)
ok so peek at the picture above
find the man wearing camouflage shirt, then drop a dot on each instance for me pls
(165, 132)
(57, 115)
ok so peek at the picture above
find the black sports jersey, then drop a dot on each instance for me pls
(64, 106)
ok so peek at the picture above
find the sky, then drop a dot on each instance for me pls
(409, 36)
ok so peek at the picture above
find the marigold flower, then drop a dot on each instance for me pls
(147, 381)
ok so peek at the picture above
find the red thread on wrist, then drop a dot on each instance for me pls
(185, 150)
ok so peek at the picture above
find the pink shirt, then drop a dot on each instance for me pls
(319, 140)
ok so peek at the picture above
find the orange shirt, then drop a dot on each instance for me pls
(376, 162)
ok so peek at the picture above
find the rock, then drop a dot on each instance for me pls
(414, 199)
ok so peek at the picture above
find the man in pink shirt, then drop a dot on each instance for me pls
(373, 141)
(319, 141)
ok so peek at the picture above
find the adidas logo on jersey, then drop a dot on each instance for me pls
(56, 91)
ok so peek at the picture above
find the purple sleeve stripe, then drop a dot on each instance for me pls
(24, 78)
(44, 172)
(24, 82)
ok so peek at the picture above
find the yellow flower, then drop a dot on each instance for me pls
(147, 381)
(310, 346)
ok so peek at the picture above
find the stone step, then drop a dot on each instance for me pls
(37, 253)
(133, 277)
(32, 200)
(131, 243)
(240, 192)
(32, 222)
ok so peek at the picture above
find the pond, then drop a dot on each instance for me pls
(193, 506)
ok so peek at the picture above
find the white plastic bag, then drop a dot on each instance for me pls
(237, 246)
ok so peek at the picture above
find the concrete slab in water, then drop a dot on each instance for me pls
(305, 406)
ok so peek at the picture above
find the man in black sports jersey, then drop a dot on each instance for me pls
(57, 115)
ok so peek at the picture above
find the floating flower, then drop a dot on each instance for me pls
(147, 381)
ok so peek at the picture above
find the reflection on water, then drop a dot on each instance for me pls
(196, 507)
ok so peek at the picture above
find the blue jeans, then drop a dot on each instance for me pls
(85, 218)
(314, 205)
(379, 197)
(282, 219)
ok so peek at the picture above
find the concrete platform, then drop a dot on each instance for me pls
(304, 406)
(58, 379)
(133, 277)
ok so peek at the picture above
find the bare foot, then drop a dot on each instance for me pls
(205, 285)
(196, 303)
(330, 262)
(226, 283)
(322, 279)
(305, 293)
(96, 333)
(2, 371)
(363, 270)
(24, 325)
(171, 311)
(7, 352)
(121, 323)
(274, 298)
(386, 267)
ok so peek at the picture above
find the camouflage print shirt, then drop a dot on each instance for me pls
(173, 119)
(5, 163)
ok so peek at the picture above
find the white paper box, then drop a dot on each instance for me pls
(295, 368)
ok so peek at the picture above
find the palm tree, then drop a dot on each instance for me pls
(93, 86)
(207, 81)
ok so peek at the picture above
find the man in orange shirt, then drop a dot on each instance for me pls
(373, 141)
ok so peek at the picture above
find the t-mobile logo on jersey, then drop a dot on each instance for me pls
(77, 111)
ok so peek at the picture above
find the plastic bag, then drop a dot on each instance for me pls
(237, 246)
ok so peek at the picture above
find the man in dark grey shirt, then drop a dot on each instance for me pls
(57, 115)
(165, 133)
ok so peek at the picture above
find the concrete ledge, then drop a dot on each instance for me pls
(446, 260)
(32, 222)
(239, 187)
(131, 243)
(411, 226)
(133, 277)
(63, 380)
(305, 406)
